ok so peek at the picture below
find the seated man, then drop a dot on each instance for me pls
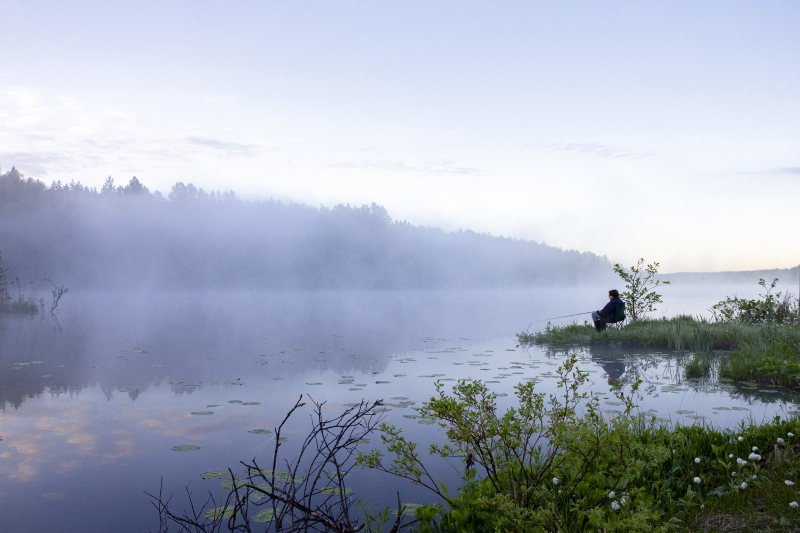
(614, 311)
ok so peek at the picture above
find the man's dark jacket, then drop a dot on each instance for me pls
(609, 311)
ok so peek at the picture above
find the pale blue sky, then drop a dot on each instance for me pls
(669, 130)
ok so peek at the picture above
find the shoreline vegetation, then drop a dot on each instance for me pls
(552, 463)
(746, 340)
(24, 304)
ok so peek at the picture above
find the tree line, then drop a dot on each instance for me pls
(127, 236)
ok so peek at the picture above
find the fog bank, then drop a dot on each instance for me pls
(128, 237)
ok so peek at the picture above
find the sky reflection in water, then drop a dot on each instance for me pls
(93, 406)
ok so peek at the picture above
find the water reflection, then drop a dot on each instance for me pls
(92, 411)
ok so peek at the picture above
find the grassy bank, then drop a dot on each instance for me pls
(762, 353)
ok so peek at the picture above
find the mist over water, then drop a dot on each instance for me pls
(93, 404)
(195, 319)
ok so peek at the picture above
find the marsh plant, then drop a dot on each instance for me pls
(21, 304)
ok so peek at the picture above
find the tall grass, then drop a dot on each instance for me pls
(679, 333)
(763, 353)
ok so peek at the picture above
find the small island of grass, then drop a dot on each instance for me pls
(750, 340)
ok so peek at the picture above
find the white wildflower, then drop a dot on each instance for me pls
(755, 476)
(755, 448)
(697, 480)
(730, 456)
(780, 440)
(789, 483)
(794, 504)
(743, 486)
(556, 481)
(615, 506)
(754, 457)
(741, 461)
(697, 460)
(733, 474)
(790, 434)
(741, 439)
(612, 495)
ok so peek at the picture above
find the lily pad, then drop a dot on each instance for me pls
(203, 412)
(378, 382)
(228, 484)
(313, 383)
(251, 403)
(215, 475)
(185, 448)
(260, 431)
(408, 508)
(220, 513)
(267, 515)
(684, 412)
(336, 491)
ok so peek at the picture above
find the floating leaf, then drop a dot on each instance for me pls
(220, 513)
(234, 401)
(408, 508)
(313, 383)
(336, 491)
(228, 484)
(215, 405)
(267, 515)
(251, 403)
(185, 448)
(260, 431)
(379, 382)
(215, 475)
(203, 412)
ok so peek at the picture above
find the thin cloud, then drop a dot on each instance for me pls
(227, 148)
(590, 149)
(794, 171)
(399, 166)
(42, 135)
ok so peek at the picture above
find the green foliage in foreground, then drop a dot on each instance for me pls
(558, 464)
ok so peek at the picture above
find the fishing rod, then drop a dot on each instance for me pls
(565, 316)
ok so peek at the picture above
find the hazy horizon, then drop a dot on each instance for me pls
(633, 129)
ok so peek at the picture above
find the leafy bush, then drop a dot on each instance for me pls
(557, 464)
(778, 308)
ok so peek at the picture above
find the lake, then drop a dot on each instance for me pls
(94, 403)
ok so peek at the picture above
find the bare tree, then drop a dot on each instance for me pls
(58, 293)
(309, 495)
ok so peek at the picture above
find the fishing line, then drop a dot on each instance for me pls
(565, 316)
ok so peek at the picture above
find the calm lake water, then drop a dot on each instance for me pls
(93, 405)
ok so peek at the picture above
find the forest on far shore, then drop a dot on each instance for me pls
(129, 237)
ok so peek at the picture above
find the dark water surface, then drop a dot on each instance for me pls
(94, 404)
